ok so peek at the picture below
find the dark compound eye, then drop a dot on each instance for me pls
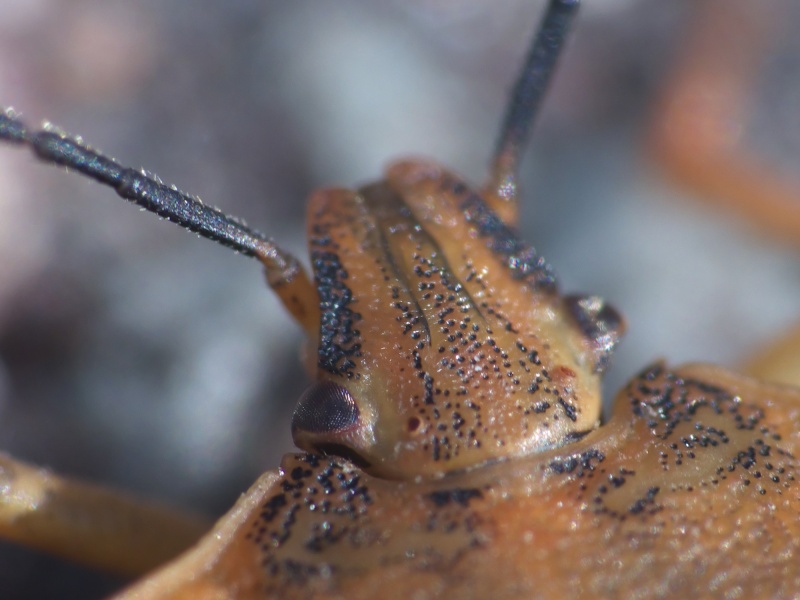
(325, 407)
(600, 324)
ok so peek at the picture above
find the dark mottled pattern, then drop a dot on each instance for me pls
(456, 404)
(519, 256)
(322, 515)
(450, 333)
(315, 485)
(696, 435)
(339, 340)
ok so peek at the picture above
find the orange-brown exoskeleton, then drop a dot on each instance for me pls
(452, 439)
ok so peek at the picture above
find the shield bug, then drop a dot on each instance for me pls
(468, 496)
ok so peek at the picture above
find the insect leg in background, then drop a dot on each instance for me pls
(724, 128)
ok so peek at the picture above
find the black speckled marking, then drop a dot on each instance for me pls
(339, 340)
(700, 436)
(335, 496)
(461, 496)
(646, 503)
(473, 354)
(583, 463)
(569, 410)
(520, 257)
(321, 524)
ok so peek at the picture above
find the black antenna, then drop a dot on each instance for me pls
(285, 274)
(527, 96)
(144, 190)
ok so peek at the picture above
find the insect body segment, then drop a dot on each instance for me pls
(446, 330)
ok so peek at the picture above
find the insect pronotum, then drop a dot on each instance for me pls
(539, 216)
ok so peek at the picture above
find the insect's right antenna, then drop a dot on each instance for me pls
(284, 273)
(531, 84)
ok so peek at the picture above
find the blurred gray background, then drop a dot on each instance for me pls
(134, 354)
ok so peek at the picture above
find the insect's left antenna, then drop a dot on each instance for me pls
(523, 106)
(284, 273)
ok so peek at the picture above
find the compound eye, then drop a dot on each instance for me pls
(325, 407)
